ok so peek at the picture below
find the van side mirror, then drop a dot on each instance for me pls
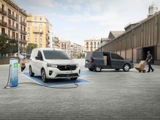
(37, 58)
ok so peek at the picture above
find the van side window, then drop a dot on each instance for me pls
(114, 56)
(120, 58)
(97, 54)
(40, 55)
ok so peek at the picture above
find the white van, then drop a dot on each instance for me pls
(52, 64)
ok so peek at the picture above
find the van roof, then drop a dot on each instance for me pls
(48, 49)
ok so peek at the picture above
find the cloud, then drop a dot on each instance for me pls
(48, 3)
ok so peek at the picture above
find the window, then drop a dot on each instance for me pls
(40, 40)
(52, 54)
(28, 39)
(28, 23)
(35, 18)
(28, 34)
(40, 18)
(35, 23)
(40, 24)
(35, 39)
(35, 35)
(114, 56)
(40, 55)
(28, 28)
(40, 35)
(97, 54)
(40, 45)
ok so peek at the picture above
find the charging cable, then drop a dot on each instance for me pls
(8, 78)
(45, 85)
(56, 87)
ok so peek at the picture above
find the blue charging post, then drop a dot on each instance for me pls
(13, 72)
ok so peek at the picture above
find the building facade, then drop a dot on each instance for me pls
(56, 42)
(92, 44)
(65, 45)
(38, 30)
(134, 43)
(13, 22)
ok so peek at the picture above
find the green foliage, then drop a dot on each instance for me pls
(30, 47)
(7, 45)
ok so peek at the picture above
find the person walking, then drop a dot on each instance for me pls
(22, 61)
(149, 61)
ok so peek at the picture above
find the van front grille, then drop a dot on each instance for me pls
(66, 67)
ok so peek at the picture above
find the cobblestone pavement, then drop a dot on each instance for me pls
(109, 95)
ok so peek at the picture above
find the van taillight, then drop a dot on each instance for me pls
(91, 59)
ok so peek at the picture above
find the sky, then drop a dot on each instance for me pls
(79, 20)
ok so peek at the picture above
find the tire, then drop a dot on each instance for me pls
(91, 69)
(30, 71)
(97, 69)
(74, 78)
(43, 76)
(126, 67)
(117, 69)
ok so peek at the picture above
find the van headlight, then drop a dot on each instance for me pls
(52, 65)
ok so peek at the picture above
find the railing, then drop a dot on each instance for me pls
(23, 32)
(38, 31)
(12, 27)
(3, 11)
(3, 23)
(12, 16)
(23, 23)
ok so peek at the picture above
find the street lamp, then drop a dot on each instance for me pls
(18, 29)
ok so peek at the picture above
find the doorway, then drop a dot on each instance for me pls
(152, 51)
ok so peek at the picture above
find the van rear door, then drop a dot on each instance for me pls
(98, 59)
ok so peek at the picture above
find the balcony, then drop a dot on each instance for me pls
(12, 27)
(23, 23)
(23, 41)
(12, 16)
(3, 23)
(23, 32)
(3, 11)
(38, 31)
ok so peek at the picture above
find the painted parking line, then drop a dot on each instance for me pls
(54, 82)
(86, 72)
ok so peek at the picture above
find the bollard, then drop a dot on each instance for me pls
(13, 72)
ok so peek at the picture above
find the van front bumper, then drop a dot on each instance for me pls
(53, 73)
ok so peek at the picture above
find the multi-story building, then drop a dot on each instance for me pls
(65, 45)
(13, 22)
(38, 30)
(92, 44)
(56, 42)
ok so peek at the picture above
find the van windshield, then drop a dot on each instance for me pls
(53, 54)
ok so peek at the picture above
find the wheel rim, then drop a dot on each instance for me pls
(126, 67)
(98, 69)
(43, 75)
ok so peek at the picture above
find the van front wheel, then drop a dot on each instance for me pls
(126, 67)
(97, 69)
(43, 75)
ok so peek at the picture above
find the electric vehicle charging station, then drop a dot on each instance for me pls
(13, 76)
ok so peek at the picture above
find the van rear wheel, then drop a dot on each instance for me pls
(91, 69)
(30, 71)
(97, 69)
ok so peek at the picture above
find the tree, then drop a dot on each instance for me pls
(7, 45)
(30, 47)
